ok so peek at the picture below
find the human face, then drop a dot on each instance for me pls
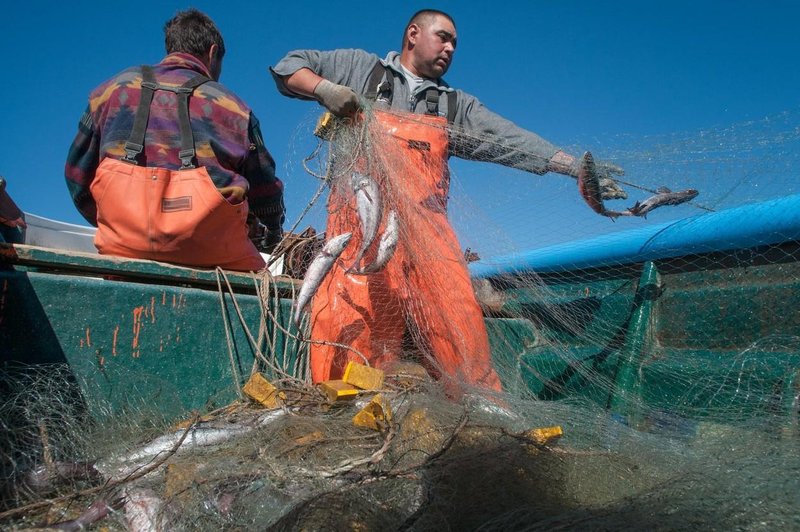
(431, 45)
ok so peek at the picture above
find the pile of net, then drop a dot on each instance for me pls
(438, 463)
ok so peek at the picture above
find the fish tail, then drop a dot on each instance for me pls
(356, 267)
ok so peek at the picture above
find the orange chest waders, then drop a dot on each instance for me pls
(175, 216)
(425, 290)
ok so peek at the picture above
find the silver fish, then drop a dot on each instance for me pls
(317, 270)
(386, 246)
(120, 467)
(370, 210)
(663, 196)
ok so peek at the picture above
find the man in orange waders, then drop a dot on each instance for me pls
(169, 164)
(416, 123)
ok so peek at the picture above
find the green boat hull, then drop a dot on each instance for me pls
(139, 335)
(135, 334)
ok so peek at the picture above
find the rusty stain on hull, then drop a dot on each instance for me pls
(137, 327)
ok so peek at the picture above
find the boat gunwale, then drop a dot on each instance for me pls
(128, 269)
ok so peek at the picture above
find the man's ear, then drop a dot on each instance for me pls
(212, 54)
(413, 32)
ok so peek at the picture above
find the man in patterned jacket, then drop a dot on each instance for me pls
(168, 163)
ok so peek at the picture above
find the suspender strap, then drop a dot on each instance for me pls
(432, 101)
(375, 87)
(432, 97)
(135, 144)
(452, 99)
(187, 152)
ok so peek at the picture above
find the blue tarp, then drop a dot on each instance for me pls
(769, 222)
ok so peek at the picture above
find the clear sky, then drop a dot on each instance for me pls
(668, 89)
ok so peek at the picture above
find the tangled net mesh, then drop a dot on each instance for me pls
(672, 417)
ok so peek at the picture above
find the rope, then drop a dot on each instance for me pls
(257, 351)
(226, 325)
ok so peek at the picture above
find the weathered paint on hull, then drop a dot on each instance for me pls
(133, 339)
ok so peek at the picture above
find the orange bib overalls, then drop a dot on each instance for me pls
(425, 286)
(175, 216)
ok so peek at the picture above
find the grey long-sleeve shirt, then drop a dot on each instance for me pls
(477, 133)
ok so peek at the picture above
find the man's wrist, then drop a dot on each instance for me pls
(563, 163)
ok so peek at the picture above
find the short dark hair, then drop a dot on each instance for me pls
(192, 32)
(417, 17)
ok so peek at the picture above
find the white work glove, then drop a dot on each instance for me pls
(338, 99)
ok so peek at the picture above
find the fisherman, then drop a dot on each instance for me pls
(168, 163)
(428, 122)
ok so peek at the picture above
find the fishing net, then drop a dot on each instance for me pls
(670, 372)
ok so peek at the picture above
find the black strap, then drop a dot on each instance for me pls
(135, 144)
(452, 101)
(374, 87)
(187, 152)
(378, 87)
(432, 101)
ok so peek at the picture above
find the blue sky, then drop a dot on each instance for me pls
(678, 92)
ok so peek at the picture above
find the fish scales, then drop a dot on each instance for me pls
(386, 246)
(663, 196)
(370, 210)
(318, 269)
